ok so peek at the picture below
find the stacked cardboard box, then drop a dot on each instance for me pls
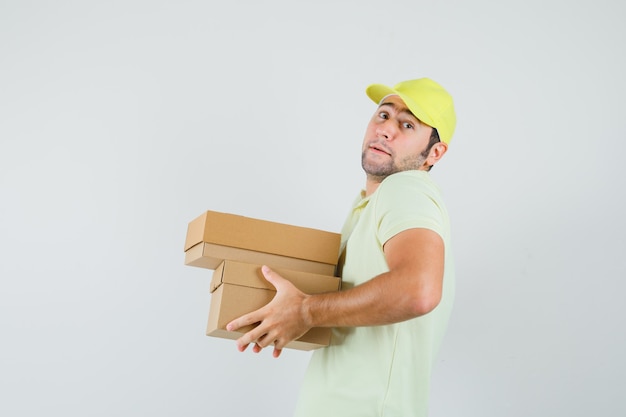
(235, 247)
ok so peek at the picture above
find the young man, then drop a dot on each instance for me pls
(396, 267)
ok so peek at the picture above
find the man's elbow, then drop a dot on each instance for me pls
(425, 303)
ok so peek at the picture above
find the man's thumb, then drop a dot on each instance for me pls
(269, 274)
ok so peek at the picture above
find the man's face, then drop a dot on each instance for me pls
(395, 141)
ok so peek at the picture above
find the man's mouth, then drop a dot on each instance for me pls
(379, 149)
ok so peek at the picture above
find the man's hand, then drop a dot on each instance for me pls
(279, 322)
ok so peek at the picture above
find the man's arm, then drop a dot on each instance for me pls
(412, 287)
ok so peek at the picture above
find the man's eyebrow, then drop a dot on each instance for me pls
(395, 107)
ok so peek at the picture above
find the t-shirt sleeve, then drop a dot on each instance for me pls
(406, 202)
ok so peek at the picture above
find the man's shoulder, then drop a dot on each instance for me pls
(408, 182)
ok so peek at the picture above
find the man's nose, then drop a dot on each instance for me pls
(386, 130)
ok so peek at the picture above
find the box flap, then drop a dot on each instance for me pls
(210, 256)
(217, 278)
(250, 275)
(263, 236)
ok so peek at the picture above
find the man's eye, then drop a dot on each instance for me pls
(383, 115)
(407, 125)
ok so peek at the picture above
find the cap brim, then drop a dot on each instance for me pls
(377, 92)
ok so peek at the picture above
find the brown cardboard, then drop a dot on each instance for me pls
(209, 255)
(239, 288)
(220, 236)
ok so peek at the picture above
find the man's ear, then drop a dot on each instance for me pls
(436, 153)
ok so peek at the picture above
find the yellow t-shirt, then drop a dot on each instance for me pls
(382, 370)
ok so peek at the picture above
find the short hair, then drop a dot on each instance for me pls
(434, 138)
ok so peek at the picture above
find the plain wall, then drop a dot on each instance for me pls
(121, 121)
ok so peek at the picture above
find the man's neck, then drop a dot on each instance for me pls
(371, 184)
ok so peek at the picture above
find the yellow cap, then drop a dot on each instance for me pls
(427, 100)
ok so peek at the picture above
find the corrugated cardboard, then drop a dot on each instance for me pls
(239, 288)
(209, 255)
(214, 237)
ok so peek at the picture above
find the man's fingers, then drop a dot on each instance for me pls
(245, 320)
(253, 336)
(277, 352)
(268, 319)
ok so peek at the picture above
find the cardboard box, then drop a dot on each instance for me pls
(238, 288)
(214, 237)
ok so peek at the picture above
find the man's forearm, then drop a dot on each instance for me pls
(386, 298)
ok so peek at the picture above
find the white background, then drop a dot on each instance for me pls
(120, 121)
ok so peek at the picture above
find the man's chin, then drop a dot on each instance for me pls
(377, 170)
